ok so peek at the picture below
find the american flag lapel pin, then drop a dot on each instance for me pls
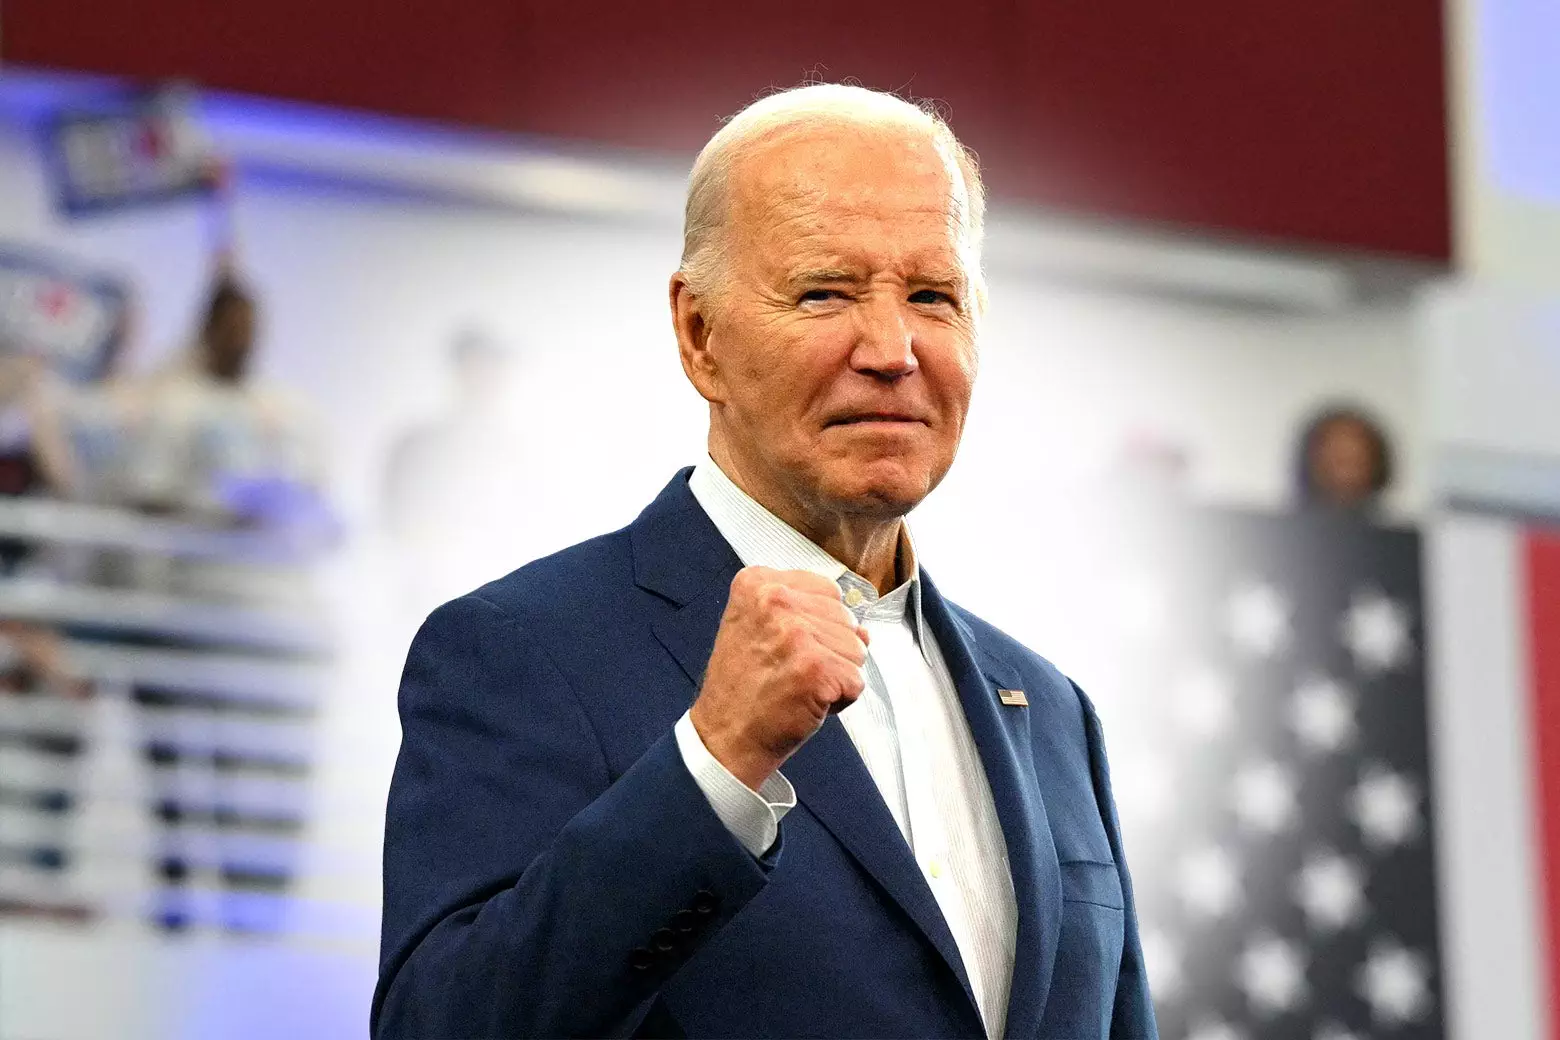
(1013, 698)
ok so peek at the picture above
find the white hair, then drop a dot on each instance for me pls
(709, 185)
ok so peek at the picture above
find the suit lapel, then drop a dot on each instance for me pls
(834, 785)
(680, 556)
(1037, 882)
(689, 634)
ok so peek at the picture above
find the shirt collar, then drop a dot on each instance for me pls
(761, 539)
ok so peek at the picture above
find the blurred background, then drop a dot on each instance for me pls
(314, 315)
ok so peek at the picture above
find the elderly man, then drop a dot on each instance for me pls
(739, 769)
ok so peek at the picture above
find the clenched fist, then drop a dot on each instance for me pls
(788, 654)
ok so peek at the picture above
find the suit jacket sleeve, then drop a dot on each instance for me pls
(527, 890)
(1132, 1017)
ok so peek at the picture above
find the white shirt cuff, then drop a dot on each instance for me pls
(752, 817)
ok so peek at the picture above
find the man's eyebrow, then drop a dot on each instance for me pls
(941, 276)
(814, 275)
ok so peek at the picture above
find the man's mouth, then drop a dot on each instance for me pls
(860, 418)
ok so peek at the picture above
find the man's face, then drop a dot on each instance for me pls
(1344, 462)
(842, 346)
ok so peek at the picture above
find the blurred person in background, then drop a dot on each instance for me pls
(213, 442)
(215, 445)
(20, 373)
(200, 440)
(739, 769)
(81, 431)
(452, 488)
(36, 458)
(1343, 462)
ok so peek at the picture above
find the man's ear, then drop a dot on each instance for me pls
(691, 320)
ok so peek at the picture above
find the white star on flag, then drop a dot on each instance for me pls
(1209, 881)
(1272, 975)
(1333, 1031)
(1265, 797)
(1331, 891)
(1258, 619)
(1214, 1029)
(1385, 807)
(1375, 631)
(1395, 983)
(1322, 715)
(1204, 704)
(1162, 960)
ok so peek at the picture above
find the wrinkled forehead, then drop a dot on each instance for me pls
(831, 188)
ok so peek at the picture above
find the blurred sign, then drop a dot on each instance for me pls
(69, 317)
(146, 149)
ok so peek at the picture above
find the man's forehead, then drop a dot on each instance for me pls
(816, 198)
(850, 168)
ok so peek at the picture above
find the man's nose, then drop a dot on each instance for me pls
(885, 345)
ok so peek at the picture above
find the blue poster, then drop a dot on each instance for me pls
(70, 316)
(139, 149)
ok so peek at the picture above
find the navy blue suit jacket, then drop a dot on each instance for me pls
(552, 869)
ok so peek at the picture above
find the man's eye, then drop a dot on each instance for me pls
(820, 295)
(930, 296)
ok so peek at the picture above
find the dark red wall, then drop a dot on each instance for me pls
(1319, 123)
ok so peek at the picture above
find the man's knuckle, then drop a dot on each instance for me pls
(812, 669)
(821, 586)
(774, 596)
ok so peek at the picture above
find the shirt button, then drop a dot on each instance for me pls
(853, 597)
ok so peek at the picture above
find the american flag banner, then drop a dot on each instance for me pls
(1262, 683)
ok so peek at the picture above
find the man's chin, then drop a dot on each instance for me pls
(879, 488)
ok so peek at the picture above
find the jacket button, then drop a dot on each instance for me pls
(684, 922)
(705, 902)
(640, 959)
(664, 940)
